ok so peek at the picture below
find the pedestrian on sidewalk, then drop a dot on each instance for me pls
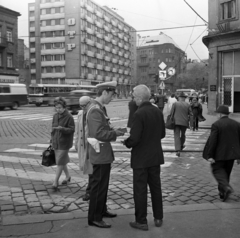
(147, 130)
(223, 149)
(81, 143)
(62, 139)
(197, 113)
(183, 118)
(100, 153)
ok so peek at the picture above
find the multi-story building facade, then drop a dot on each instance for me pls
(80, 42)
(153, 51)
(223, 42)
(8, 45)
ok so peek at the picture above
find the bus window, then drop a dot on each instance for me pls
(38, 90)
(4, 89)
(45, 90)
(31, 90)
(51, 89)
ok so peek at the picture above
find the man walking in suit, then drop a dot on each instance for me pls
(148, 128)
(100, 153)
(224, 148)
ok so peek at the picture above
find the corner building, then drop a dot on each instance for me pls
(80, 42)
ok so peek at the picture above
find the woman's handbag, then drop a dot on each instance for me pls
(170, 123)
(48, 157)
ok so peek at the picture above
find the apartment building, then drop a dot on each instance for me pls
(154, 50)
(80, 42)
(8, 45)
(223, 43)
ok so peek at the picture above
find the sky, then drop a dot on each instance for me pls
(148, 17)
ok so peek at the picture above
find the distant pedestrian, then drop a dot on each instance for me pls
(197, 112)
(132, 106)
(100, 153)
(223, 149)
(81, 143)
(160, 100)
(147, 130)
(182, 114)
(62, 139)
(172, 99)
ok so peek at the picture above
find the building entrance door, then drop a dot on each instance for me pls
(228, 96)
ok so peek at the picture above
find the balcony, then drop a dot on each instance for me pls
(143, 64)
(89, 31)
(120, 62)
(143, 55)
(52, 16)
(53, 51)
(52, 4)
(32, 39)
(115, 79)
(99, 14)
(90, 9)
(51, 63)
(32, 18)
(34, 61)
(120, 71)
(3, 42)
(90, 65)
(99, 78)
(113, 32)
(114, 70)
(89, 19)
(114, 51)
(120, 35)
(99, 66)
(53, 39)
(106, 18)
(32, 8)
(125, 29)
(90, 53)
(114, 42)
(33, 71)
(113, 22)
(107, 68)
(120, 27)
(114, 60)
(120, 80)
(52, 28)
(126, 47)
(127, 63)
(106, 28)
(126, 72)
(98, 45)
(53, 75)
(83, 63)
(126, 56)
(99, 35)
(106, 48)
(107, 58)
(98, 24)
(32, 29)
(107, 78)
(89, 42)
(120, 44)
(32, 50)
(106, 38)
(99, 56)
(120, 53)
(125, 38)
(90, 76)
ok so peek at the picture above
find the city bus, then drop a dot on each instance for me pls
(188, 92)
(12, 95)
(44, 94)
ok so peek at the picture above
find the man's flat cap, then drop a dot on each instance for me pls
(109, 86)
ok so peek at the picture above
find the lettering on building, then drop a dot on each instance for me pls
(71, 21)
(71, 34)
(71, 46)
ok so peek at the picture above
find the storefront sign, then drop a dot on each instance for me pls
(213, 88)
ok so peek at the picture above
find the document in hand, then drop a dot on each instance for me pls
(94, 143)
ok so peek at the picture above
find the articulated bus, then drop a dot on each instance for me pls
(44, 94)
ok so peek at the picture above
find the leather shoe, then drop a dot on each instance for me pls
(139, 226)
(221, 195)
(158, 222)
(100, 224)
(226, 194)
(109, 214)
(86, 197)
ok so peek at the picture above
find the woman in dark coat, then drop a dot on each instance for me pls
(132, 106)
(62, 139)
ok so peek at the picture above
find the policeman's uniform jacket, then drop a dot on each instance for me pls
(99, 128)
(224, 141)
(148, 128)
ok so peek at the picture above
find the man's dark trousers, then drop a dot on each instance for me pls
(90, 179)
(141, 178)
(221, 171)
(99, 190)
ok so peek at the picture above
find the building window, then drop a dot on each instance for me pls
(9, 60)
(228, 10)
(9, 35)
(31, 13)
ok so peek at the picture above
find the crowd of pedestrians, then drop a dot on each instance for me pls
(94, 134)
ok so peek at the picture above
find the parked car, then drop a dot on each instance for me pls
(73, 99)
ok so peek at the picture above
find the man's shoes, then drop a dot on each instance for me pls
(139, 226)
(178, 154)
(86, 197)
(109, 214)
(100, 224)
(226, 194)
(221, 195)
(182, 147)
(158, 222)
(66, 181)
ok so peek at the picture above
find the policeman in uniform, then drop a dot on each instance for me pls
(103, 134)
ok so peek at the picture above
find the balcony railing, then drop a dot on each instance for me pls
(107, 58)
(114, 70)
(90, 65)
(3, 42)
(99, 56)
(120, 71)
(120, 35)
(120, 44)
(125, 38)
(115, 79)
(125, 29)
(98, 45)
(89, 30)
(120, 53)
(107, 48)
(99, 77)
(114, 42)
(120, 27)
(120, 62)
(90, 42)
(126, 47)
(90, 76)
(114, 51)
(113, 22)
(106, 28)
(99, 66)
(114, 32)
(90, 9)
(89, 19)
(106, 38)
(126, 55)
(90, 53)
(106, 18)
(99, 35)
(114, 60)
(107, 78)
(99, 14)
(98, 24)
(126, 72)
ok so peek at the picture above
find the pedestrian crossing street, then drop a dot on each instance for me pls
(195, 141)
(12, 115)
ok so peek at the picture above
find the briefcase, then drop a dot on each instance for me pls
(48, 157)
(205, 150)
(170, 124)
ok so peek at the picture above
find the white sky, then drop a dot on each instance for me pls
(146, 15)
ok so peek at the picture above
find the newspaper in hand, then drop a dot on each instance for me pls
(94, 143)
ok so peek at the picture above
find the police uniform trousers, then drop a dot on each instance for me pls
(221, 171)
(99, 190)
(141, 179)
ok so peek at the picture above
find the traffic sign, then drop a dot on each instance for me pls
(162, 66)
(171, 71)
(162, 74)
(162, 85)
